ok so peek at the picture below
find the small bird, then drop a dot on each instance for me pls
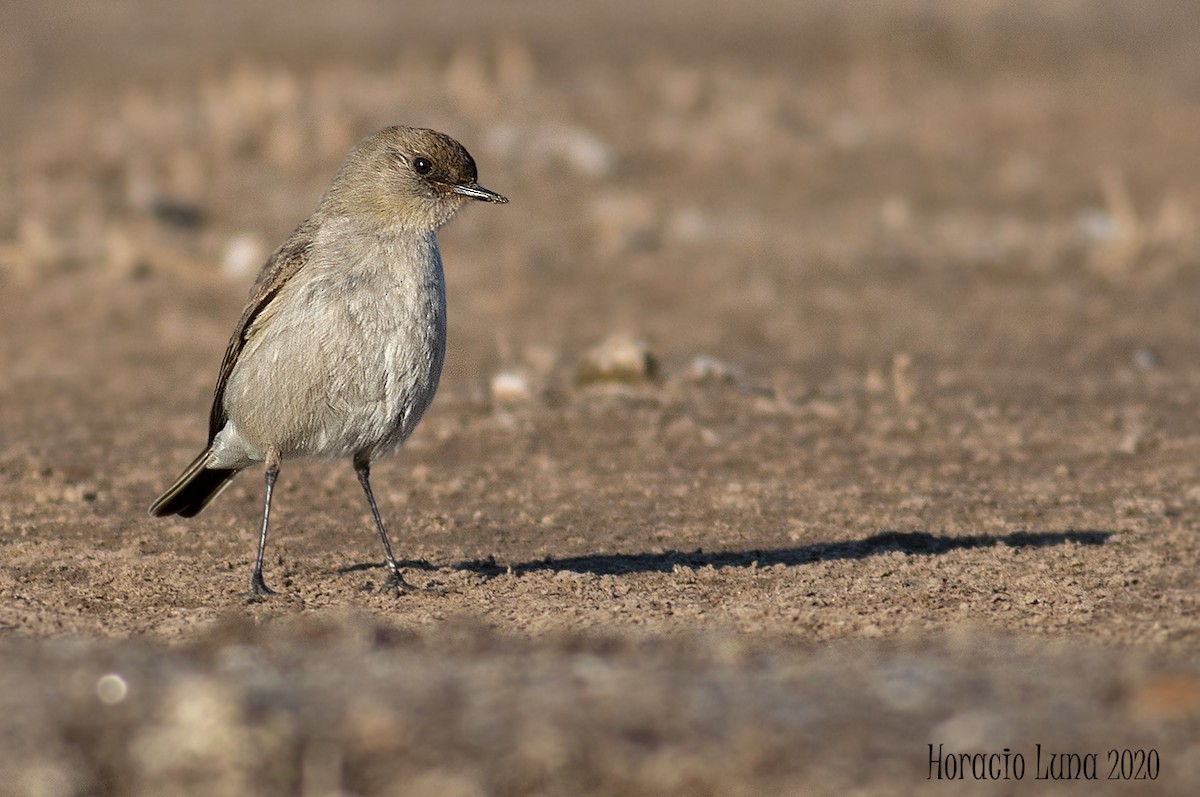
(339, 349)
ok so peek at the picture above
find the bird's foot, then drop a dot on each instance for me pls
(396, 584)
(258, 588)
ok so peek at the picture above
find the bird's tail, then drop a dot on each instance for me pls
(194, 488)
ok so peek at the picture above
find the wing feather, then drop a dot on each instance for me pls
(281, 266)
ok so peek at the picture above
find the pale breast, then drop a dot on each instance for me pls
(347, 358)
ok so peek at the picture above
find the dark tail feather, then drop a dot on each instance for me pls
(192, 491)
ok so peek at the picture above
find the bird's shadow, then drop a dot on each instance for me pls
(913, 543)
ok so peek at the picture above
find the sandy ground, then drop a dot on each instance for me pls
(916, 466)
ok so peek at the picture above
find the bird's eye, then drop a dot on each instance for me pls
(421, 165)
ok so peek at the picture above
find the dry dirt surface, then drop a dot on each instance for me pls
(900, 464)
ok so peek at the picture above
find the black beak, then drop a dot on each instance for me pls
(476, 191)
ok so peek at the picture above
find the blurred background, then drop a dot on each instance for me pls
(829, 387)
(675, 169)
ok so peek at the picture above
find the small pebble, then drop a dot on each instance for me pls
(710, 369)
(619, 359)
(511, 387)
(242, 256)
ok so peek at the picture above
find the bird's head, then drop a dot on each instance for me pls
(407, 176)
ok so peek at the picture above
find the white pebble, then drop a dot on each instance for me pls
(511, 387)
(243, 255)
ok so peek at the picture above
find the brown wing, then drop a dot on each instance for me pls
(281, 266)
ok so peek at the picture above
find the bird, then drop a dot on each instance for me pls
(339, 349)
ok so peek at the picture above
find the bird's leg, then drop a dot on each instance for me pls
(395, 581)
(258, 587)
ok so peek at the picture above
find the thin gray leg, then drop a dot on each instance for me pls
(395, 581)
(258, 587)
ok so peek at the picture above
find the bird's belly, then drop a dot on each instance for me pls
(377, 404)
(351, 371)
